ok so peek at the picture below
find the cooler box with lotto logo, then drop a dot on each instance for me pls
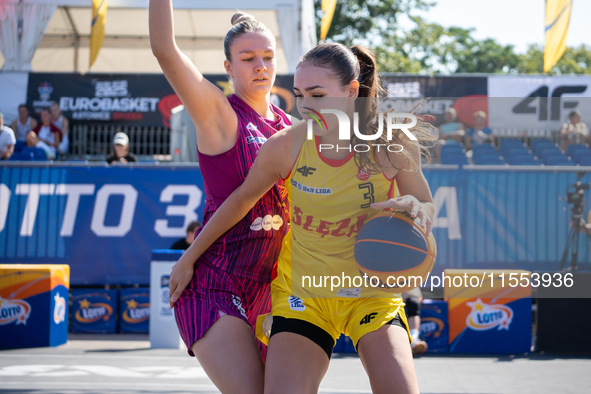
(492, 318)
(94, 311)
(134, 310)
(434, 325)
(33, 305)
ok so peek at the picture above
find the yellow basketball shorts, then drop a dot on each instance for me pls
(352, 317)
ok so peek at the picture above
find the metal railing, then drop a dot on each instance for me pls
(94, 141)
(527, 134)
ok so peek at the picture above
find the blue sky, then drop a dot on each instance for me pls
(517, 22)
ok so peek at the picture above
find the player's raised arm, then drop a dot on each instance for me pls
(273, 163)
(215, 120)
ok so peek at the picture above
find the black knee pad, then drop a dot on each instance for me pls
(413, 307)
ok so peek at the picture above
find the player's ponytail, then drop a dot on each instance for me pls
(369, 79)
(359, 64)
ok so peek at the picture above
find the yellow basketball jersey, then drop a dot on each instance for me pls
(329, 203)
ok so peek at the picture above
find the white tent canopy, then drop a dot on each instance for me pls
(56, 34)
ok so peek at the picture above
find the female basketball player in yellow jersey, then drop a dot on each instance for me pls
(332, 193)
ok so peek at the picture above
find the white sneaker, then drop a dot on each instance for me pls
(419, 347)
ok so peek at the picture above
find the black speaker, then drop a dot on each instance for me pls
(563, 323)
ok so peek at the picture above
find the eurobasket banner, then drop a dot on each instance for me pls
(135, 99)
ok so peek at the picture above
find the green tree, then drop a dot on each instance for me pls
(426, 47)
(575, 60)
(462, 53)
(375, 24)
(423, 48)
(361, 21)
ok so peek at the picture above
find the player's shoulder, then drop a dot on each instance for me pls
(278, 142)
(275, 152)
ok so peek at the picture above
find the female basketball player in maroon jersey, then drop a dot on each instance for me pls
(326, 188)
(228, 287)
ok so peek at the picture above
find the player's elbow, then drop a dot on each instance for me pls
(160, 52)
(161, 48)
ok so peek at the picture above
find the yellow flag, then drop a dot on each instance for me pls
(97, 28)
(557, 20)
(328, 7)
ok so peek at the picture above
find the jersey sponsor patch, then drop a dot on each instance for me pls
(258, 140)
(238, 304)
(305, 170)
(350, 293)
(251, 127)
(267, 223)
(296, 304)
(277, 222)
(362, 175)
(311, 190)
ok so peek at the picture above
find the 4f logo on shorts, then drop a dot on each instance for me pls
(305, 170)
(238, 304)
(368, 318)
(296, 304)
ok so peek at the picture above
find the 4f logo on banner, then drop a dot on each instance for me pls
(305, 170)
(547, 107)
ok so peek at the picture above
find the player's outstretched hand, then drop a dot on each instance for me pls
(181, 275)
(411, 205)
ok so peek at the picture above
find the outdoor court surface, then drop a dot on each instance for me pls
(124, 363)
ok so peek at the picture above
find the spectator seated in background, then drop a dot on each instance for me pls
(24, 124)
(574, 132)
(62, 123)
(121, 152)
(450, 132)
(479, 134)
(7, 140)
(45, 136)
(184, 243)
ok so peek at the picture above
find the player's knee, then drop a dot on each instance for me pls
(413, 307)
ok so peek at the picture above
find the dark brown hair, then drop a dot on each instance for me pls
(193, 226)
(243, 23)
(359, 64)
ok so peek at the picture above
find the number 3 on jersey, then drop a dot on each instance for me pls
(367, 196)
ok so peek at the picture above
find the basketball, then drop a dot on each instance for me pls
(392, 247)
